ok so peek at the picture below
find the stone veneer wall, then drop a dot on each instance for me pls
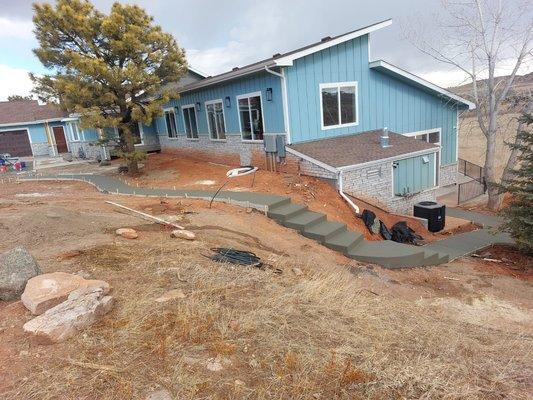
(448, 175)
(40, 149)
(90, 149)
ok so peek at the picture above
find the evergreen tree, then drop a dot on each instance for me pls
(18, 97)
(519, 184)
(111, 69)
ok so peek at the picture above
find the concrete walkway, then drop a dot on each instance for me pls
(314, 225)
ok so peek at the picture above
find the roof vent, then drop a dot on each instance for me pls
(325, 39)
(384, 138)
(276, 55)
(235, 68)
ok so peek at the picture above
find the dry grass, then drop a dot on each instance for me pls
(320, 336)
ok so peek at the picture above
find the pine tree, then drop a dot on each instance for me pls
(111, 69)
(18, 97)
(519, 214)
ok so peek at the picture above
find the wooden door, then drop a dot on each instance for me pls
(61, 141)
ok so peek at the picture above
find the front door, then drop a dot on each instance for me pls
(61, 141)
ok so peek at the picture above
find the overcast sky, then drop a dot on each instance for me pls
(219, 35)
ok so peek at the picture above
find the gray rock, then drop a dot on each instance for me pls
(17, 266)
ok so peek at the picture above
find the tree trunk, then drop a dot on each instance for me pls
(128, 148)
(489, 173)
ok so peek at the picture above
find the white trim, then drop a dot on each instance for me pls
(423, 190)
(141, 134)
(27, 132)
(247, 96)
(420, 81)
(41, 121)
(288, 60)
(197, 72)
(209, 102)
(173, 111)
(312, 160)
(436, 177)
(54, 138)
(338, 85)
(183, 107)
(71, 125)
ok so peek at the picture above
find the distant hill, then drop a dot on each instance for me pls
(523, 84)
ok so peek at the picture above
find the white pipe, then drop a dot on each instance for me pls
(284, 100)
(346, 198)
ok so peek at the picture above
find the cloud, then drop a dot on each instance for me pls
(15, 29)
(14, 81)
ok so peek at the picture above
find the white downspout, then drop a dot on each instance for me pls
(343, 195)
(284, 99)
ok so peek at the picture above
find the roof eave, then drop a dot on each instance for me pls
(377, 64)
(288, 60)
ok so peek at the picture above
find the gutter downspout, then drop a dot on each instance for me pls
(284, 99)
(343, 195)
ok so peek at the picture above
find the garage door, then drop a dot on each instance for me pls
(16, 143)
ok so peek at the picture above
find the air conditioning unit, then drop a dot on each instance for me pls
(434, 212)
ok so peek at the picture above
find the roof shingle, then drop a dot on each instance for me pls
(14, 112)
(359, 148)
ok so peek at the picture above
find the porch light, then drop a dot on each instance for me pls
(198, 106)
(269, 94)
(228, 101)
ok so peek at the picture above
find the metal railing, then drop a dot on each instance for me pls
(471, 170)
(471, 189)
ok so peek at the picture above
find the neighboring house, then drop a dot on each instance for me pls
(30, 129)
(331, 104)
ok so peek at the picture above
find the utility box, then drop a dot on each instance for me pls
(270, 143)
(434, 212)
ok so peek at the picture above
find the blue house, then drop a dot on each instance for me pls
(378, 132)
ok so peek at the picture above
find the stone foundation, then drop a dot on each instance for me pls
(40, 149)
(448, 175)
(89, 148)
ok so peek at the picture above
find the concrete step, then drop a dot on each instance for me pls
(388, 254)
(303, 220)
(285, 211)
(344, 241)
(323, 230)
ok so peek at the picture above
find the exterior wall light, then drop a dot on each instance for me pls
(198, 106)
(269, 94)
(228, 101)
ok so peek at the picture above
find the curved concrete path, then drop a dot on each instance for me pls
(334, 235)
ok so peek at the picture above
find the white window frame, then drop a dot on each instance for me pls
(223, 117)
(141, 134)
(247, 96)
(81, 136)
(183, 107)
(436, 178)
(21, 129)
(173, 111)
(338, 85)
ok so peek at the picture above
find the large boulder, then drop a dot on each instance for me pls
(48, 290)
(83, 307)
(16, 267)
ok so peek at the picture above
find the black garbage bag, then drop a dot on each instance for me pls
(401, 233)
(368, 218)
(384, 231)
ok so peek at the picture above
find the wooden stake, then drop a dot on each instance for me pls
(158, 220)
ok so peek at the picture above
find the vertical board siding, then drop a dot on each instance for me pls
(272, 110)
(383, 101)
(413, 176)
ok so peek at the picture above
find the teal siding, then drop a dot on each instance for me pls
(412, 175)
(36, 131)
(272, 110)
(383, 101)
(90, 134)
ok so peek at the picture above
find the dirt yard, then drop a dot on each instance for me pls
(178, 170)
(337, 330)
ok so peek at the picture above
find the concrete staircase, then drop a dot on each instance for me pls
(336, 236)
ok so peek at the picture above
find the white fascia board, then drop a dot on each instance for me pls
(288, 60)
(420, 81)
(197, 72)
(41, 121)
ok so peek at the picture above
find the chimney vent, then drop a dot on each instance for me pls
(384, 138)
(325, 39)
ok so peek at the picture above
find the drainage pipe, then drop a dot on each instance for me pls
(346, 198)
(284, 100)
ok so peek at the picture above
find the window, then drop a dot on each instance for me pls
(170, 121)
(136, 133)
(75, 130)
(338, 104)
(215, 119)
(251, 116)
(189, 117)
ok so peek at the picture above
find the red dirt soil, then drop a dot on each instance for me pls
(172, 169)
